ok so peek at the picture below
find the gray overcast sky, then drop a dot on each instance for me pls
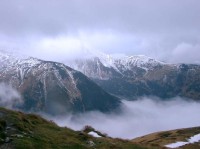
(164, 29)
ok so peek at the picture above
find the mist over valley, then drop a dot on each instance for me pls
(102, 74)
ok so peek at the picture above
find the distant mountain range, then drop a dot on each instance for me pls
(53, 87)
(140, 75)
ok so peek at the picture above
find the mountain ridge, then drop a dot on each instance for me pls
(140, 76)
(53, 87)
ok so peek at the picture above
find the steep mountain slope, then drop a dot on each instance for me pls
(28, 131)
(53, 87)
(140, 75)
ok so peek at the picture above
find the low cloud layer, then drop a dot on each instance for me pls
(139, 118)
(9, 97)
(52, 17)
(186, 53)
(165, 30)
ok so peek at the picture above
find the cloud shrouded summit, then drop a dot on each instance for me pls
(167, 30)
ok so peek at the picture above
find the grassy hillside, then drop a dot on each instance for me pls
(159, 139)
(28, 131)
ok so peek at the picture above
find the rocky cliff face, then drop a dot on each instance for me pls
(140, 75)
(53, 87)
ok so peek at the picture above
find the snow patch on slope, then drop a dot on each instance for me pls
(195, 138)
(94, 134)
(191, 140)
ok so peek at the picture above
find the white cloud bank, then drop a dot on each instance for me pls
(166, 30)
(9, 97)
(139, 118)
(186, 53)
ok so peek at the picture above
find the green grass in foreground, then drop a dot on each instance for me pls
(29, 131)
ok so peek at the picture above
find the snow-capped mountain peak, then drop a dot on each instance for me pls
(103, 66)
(140, 61)
(52, 87)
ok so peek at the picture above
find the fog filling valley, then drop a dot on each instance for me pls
(9, 97)
(136, 118)
(140, 117)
